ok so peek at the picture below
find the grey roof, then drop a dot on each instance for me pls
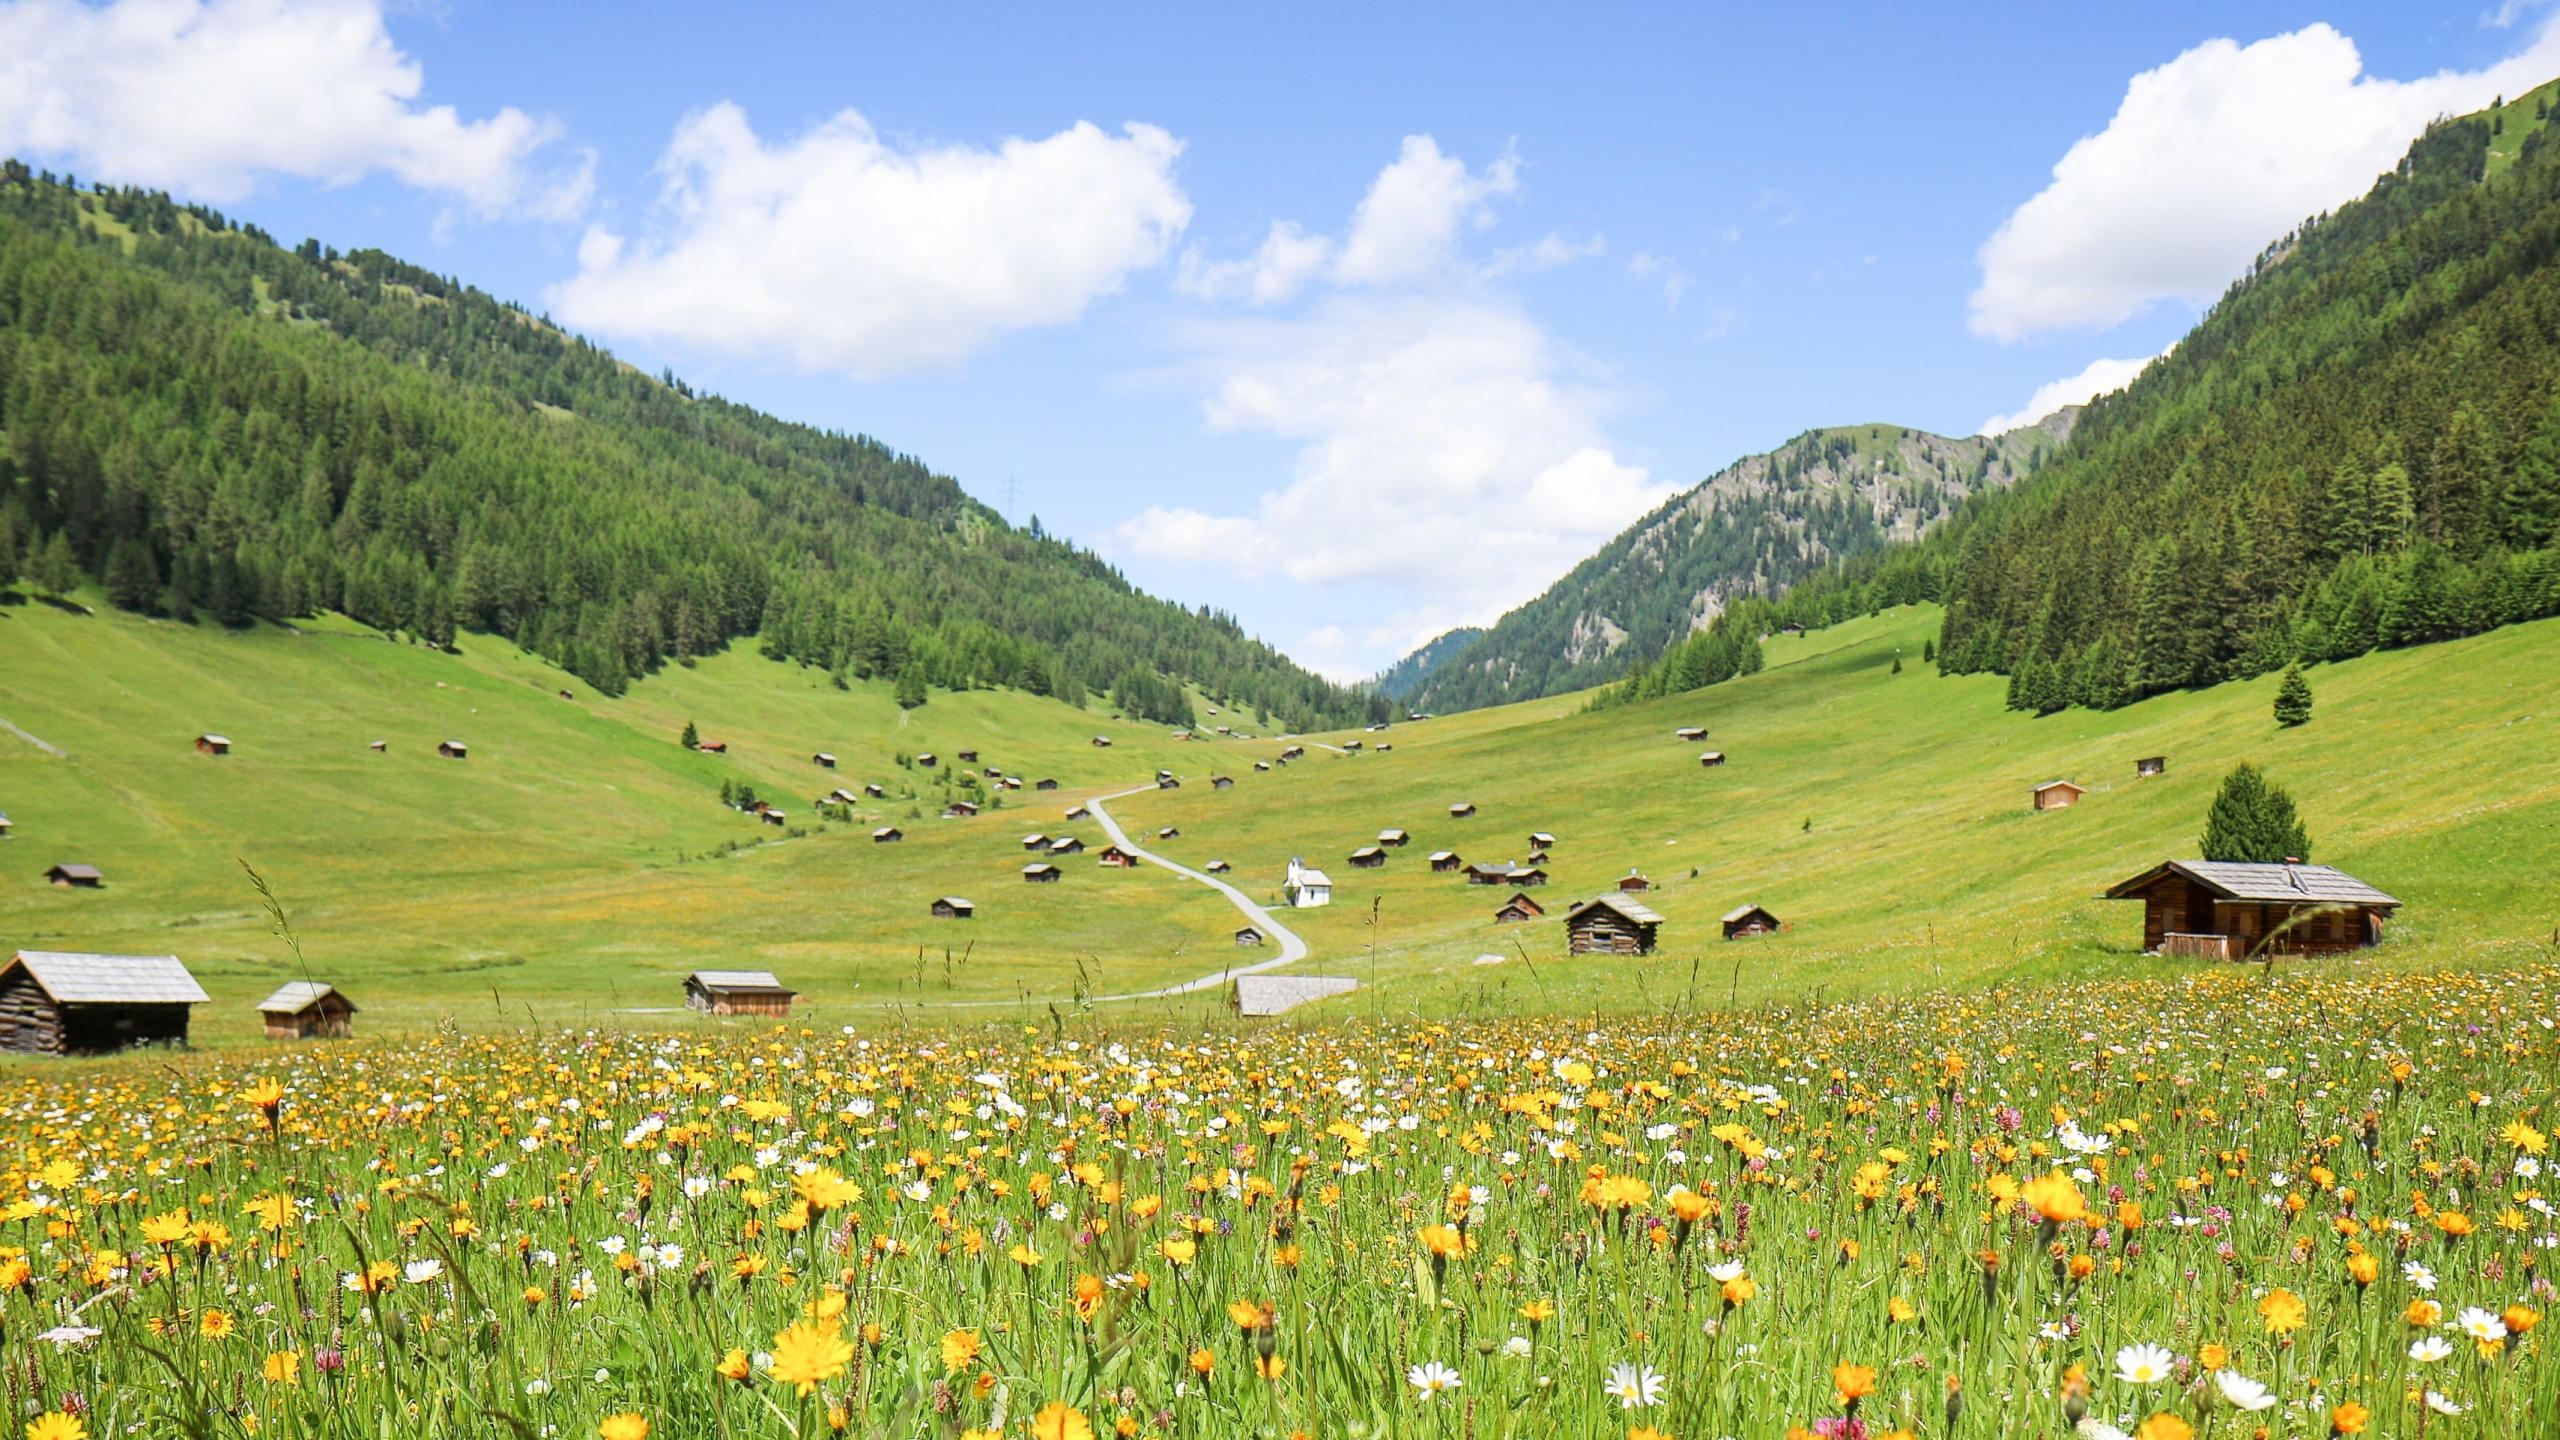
(1634, 910)
(1272, 994)
(1740, 911)
(76, 979)
(79, 872)
(1307, 877)
(296, 996)
(957, 903)
(735, 980)
(2276, 884)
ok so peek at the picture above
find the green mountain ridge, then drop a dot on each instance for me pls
(1748, 531)
(210, 423)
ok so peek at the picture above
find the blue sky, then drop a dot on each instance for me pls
(1357, 324)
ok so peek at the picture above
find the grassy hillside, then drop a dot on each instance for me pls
(579, 860)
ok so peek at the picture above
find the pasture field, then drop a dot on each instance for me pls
(2234, 1203)
(579, 860)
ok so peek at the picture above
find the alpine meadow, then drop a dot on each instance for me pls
(537, 900)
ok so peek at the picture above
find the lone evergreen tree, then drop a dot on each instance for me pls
(2293, 698)
(2253, 821)
(911, 691)
(55, 571)
(691, 739)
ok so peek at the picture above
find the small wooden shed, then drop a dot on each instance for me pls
(1066, 845)
(1750, 920)
(1633, 883)
(305, 1010)
(76, 877)
(57, 1002)
(1217, 867)
(887, 835)
(378, 747)
(1461, 810)
(1044, 783)
(1396, 838)
(2150, 765)
(2055, 795)
(1041, 872)
(713, 747)
(1167, 782)
(1445, 860)
(1518, 910)
(5, 824)
(1101, 742)
(1077, 812)
(771, 816)
(959, 810)
(1169, 832)
(1541, 840)
(1611, 925)
(1247, 936)
(1488, 874)
(213, 744)
(968, 757)
(875, 790)
(1368, 857)
(952, 907)
(823, 759)
(1274, 994)
(926, 760)
(1690, 732)
(2229, 910)
(1711, 759)
(1118, 859)
(737, 992)
(1035, 841)
(453, 750)
(1222, 782)
(1525, 875)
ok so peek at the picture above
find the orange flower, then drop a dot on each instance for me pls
(2349, 1419)
(2363, 1268)
(2054, 1197)
(2284, 1312)
(624, 1427)
(1853, 1382)
(1444, 1241)
(1203, 1362)
(1058, 1420)
(733, 1366)
(2423, 1314)
(959, 1350)
(2520, 1318)
(2165, 1426)
(2212, 1356)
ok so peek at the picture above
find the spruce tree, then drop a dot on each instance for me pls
(911, 692)
(691, 739)
(2293, 698)
(133, 580)
(2253, 821)
(53, 570)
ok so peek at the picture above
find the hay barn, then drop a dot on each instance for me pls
(306, 1010)
(213, 745)
(1041, 872)
(56, 1002)
(2055, 795)
(952, 907)
(2226, 910)
(1519, 909)
(737, 992)
(1750, 920)
(1611, 925)
(76, 877)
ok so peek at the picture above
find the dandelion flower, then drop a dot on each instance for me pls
(2284, 1312)
(959, 1350)
(55, 1425)
(626, 1426)
(808, 1353)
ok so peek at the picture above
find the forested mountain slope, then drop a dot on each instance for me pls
(209, 423)
(1752, 529)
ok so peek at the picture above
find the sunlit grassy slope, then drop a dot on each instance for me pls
(577, 862)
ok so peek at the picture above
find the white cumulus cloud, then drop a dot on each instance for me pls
(837, 250)
(2208, 158)
(1453, 456)
(2101, 377)
(209, 97)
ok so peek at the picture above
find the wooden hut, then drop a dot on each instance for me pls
(1611, 925)
(771, 816)
(1077, 812)
(213, 745)
(1035, 841)
(737, 992)
(1044, 783)
(1690, 733)
(887, 835)
(1461, 810)
(1519, 909)
(76, 877)
(875, 790)
(2055, 795)
(55, 1002)
(1066, 845)
(1711, 759)
(1394, 838)
(1247, 936)
(1293, 752)
(1101, 742)
(1445, 860)
(823, 760)
(1217, 867)
(1633, 883)
(1750, 920)
(1222, 782)
(968, 757)
(1525, 875)
(1273, 994)
(1117, 858)
(378, 747)
(2150, 765)
(1169, 832)
(1368, 857)
(2226, 910)
(1041, 872)
(713, 747)
(453, 750)
(306, 1010)
(1488, 874)
(925, 760)
(1262, 765)
(1541, 840)
(959, 810)
(952, 907)
(1167, 782)
(5, 825)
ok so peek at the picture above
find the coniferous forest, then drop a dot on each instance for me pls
(214, 427)
(2359, 446)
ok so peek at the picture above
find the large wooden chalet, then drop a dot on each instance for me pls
(2228, 910)
(737, 992)
(55, 1002)
(1611, 925)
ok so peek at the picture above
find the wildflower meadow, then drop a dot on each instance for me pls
(2239, 1204)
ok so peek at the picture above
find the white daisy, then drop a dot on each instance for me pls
(2481, 1324)
(1634, 1386)
(1431, 1377)
(2243, 1392)
(2143, 1364)
(2430, 1350)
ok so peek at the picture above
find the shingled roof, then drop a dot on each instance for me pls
(2264, 884)
(1635, 910)
(71, 978)
(716, 980)
(296, 996)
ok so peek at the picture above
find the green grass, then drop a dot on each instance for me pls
(579, 861)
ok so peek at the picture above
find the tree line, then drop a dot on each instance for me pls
(207, 424)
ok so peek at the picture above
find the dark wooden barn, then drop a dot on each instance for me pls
(1044, 784)
(76, 877)
(55, 1002)
(737, 992)
(1445, 860)
(1248, 936)
(1611, 925)
(453, 750)
(1750, 920)
(213, 745)
(1118, 859)
(2150, 765)
(305, 1010)
(2227, 910)
(887, 835)
(952, 907)
(1368, 857)
(1517, 910)
(1041, 872)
